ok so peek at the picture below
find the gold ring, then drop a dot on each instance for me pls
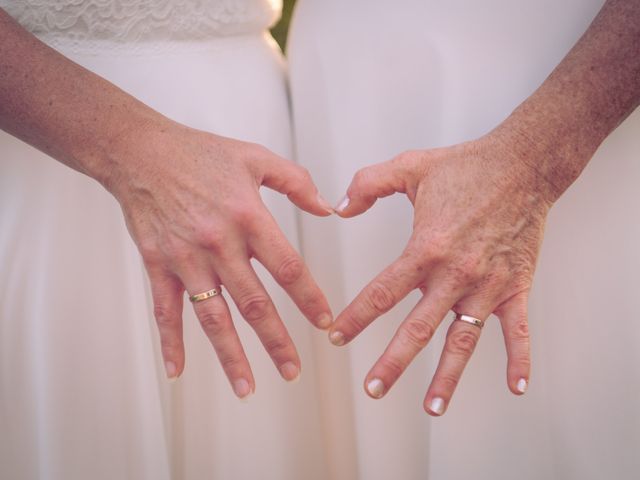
(205, 295)
(469, 319)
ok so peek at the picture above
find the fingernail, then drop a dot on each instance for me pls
(324, 321)
(375, 388)
(337, 338)
(437, 406)
(326, 205)
(344, 203)
(172, 370)
(289, 371)
(241, 388)
(522, 385)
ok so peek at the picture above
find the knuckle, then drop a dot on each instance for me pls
(380, 297)
(417, 333)
(522, 361)
(466, 272)
(461, 342)
(164, 316)
(244, 215)
(230, 363)
(290, 270)
(255, 150)
(254, 308)
(212, 322)
(415, 256)
(435, 249)
(448, 381)
(405, 159)
(177, 252)
(312, 302)
(298, 179)
(277, 346)
(211, 238)
(361, 178)
(303, 174)
(520, 330)
(392, 365)
(169, 346)
(353, 324)
(150, 252)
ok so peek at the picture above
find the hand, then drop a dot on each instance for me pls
(192, 205)
(477, 230)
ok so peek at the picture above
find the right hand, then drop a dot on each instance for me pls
(192, 206)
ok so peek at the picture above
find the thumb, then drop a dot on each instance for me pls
(295, 182)
(374, 182)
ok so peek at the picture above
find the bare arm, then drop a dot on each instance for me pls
(481, 206)
(594, 88)
(61, 108)
(190, 200)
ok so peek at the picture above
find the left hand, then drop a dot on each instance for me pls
(479, 217)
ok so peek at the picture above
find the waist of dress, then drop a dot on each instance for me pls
(132, 25)
(87, 45)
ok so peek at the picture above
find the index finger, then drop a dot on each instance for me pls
(378, 297)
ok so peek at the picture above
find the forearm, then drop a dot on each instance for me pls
(585, 98)
(61, 108)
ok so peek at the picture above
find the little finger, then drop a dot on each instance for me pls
(167, 292)
(515, 329)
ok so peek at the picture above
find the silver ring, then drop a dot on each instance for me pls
(469, 319)
(199, 297)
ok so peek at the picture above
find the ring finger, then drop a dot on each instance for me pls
(461, 341)
(215, 319)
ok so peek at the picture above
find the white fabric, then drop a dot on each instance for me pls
(82, 389)
(86, 25)
(372, 78)
(83, 393)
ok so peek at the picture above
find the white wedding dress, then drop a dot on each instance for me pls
(372, 78)
(83, 393)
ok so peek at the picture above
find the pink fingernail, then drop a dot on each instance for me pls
(376, 388)
(326, 205)
(290, 371)
(337, 338)
(324, 321)
(241, 388)
(437, 406)
(171, 369)
(344, 203)
(522, 385)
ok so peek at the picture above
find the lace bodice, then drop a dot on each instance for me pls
(129, 22)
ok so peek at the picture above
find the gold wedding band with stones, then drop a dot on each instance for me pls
(200, 297)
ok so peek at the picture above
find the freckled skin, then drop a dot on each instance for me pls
(190, 200)
(481, 206)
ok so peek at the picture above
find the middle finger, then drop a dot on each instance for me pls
(461, 341)
(257, 308)
(411, 337)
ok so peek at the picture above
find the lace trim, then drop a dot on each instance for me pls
(139, 21)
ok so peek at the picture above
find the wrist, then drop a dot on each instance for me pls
(114, 156)
(545, 153)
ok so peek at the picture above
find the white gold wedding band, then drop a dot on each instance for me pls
(469, 319)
